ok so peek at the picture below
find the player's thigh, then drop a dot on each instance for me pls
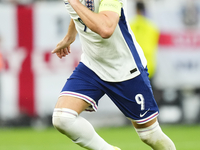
(73, 103)
(145, 125)
(135, 99)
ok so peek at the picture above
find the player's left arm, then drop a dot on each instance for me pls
(63, 47)
(104, 22)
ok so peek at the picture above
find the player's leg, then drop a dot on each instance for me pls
(66, 119)
(79, 93)
(135, 99)
(151, 134)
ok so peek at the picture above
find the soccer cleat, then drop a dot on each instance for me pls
(116, 148)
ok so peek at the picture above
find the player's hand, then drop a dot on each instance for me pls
(62, 49)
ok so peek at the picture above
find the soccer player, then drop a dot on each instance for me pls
(112, 63)
(147, 35)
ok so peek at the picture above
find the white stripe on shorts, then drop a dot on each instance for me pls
(145, 120)
(83, 97)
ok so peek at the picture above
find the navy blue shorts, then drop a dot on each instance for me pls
(133, 97)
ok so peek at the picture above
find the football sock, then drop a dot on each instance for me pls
(155, 138)
(78, 129)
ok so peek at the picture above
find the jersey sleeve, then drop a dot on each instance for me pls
(111, 5)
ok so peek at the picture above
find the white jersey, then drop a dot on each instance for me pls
(115, 59)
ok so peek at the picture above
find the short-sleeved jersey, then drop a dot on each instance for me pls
(117, 58)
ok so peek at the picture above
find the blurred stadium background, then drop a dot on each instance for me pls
(31, 78)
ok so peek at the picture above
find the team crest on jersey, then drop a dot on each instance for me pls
(89, 4)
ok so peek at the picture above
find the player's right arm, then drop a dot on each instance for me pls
(63, 47)
(102, 23)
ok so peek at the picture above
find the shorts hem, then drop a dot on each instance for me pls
(145, 120)
(83, 97)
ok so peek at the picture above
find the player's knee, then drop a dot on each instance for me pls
(145, 139)
(154, 137)
(145, 134)
(63, 119)
(58, 123)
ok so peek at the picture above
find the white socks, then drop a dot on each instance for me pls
(82, 133)
(78, 129)
(154, 137)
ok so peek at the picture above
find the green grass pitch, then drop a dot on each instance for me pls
(184, 137)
